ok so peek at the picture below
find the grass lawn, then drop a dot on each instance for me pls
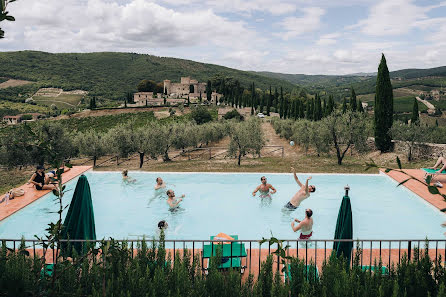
(61, 101)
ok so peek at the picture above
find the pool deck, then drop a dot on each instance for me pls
(419, 188)
(31, 194)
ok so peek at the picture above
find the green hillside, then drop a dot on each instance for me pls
(337, 84)
(111, 75)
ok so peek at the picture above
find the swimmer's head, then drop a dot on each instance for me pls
(159, 180)
(162, 225)
(263, 180)
(125, 172)
(170, 193)
(308, 213)
(311, 188)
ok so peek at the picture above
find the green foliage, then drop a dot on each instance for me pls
(4, 16)
(246, 137)
(147, 85)
(353, 103)
(107, 74)
(113, 269)
(410, 134)
(201, 114)
(415, 119)
(233, 114)
(383, 108)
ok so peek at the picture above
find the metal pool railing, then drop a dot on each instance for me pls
(251, 253)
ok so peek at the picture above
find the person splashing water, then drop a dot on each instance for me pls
(264, 189)
(172, 200)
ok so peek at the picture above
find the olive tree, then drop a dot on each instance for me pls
(121, 140)
(301, 135)
(246, 137)
(55, 142)
(346, 130)
(319, 137)
(184, 135)
(410, 134)
(92, 144)
(17, 148)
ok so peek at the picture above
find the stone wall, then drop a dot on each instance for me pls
(419, 150)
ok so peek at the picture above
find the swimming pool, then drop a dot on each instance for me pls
(217, 203)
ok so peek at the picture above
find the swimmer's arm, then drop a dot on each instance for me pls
(273, 190)
(296, 228)
(306, 185)
(255, 191)
(296, 178)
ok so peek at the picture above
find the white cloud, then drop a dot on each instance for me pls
(328, 39)
(93, 25)
(295, 26)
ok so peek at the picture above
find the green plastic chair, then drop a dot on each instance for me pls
(374, 269)
(309, 270)
(47, 270)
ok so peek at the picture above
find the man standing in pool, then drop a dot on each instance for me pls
(159, 183)
(305, 226)
(302, 194)
(264, 189)
(172, 200)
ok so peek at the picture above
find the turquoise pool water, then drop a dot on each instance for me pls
(223, 203)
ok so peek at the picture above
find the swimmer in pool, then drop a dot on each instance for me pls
(302, 194)
(305, 226)
(159, 183)
(126, 178)
(172, 200)
(264, 188)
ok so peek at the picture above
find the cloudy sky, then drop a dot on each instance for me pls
(290, 36)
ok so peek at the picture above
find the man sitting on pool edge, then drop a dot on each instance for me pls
(172, 200)
(305, 226)
(264, 188)
(302, 194)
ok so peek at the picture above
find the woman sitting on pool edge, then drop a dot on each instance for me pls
(38, 179)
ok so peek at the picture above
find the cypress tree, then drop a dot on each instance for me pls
(331, 105)
(436, 123)
(200, 98)
(125, 103)
(296, 109)
(344, 105)
(383, 107)
(307, 110)
(209, 91)
(188, 100)
(253, 94)
(268, 102)
(360, 108)
(262, 100)
(324, 108)
(276, 100)
(282, 103)
(353, 105)
(415, 119)
(301, 109)
(292, 109)
(317, 108)
(312, 109)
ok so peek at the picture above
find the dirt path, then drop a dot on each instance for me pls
(272, 138)
(14, 83)
(428, 104)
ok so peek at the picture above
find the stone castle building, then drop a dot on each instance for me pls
(186, 87)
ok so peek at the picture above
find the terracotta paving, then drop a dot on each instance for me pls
(419, 188)
(31, 194)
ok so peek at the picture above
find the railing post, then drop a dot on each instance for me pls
(409, 250)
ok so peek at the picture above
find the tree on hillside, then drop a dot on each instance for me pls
(415, 119)
(346, 129)
(269, 102)
(92, 144)
(276, 100)
(246, 137)
(383, 107)
(330, 105)
(93, 103)
(360, 108)
(410, 134)
(19, 147)
(200, 114)
(282, 103)
(200, 99)
(344, 105)
(353, 103)
(209, 91)
(253, 97)
(262, 102)
(121, 140)
(4, 15)
(147, 85)
(324, 108)
(301, 109)
(317, 113)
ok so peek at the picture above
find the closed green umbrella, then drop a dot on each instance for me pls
(79, 222)
(344, 228)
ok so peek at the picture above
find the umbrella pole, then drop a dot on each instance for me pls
(346, 188)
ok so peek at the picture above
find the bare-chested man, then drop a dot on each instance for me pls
(264, 188)
(305, 226)
(302, 194)
(172, 200)
(159, 183)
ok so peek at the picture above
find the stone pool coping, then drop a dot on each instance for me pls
(418, 188)
(31, 194)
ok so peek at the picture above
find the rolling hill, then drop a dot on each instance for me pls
(111, 74)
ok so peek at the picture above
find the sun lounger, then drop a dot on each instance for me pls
(433, 171)
(231, 253)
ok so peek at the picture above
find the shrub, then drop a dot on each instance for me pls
(201, 115)
(233, 114)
